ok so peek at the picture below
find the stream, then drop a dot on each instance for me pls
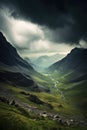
(55, 86)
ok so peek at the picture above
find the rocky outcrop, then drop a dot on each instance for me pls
(26, 108)
(5, 100)
(35, 99)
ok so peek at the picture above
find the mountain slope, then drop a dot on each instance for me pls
(74, 64)
(70, 74)
(15, 70)
(9, 55)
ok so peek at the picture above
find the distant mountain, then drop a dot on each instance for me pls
(15, 70)
(30, 62)
(44, 61)
(74, 64)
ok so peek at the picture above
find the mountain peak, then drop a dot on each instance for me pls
(2, 38)
(78, 49)
(1, 34)
(9, 55)
(76, 60)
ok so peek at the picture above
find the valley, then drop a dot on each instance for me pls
(55, 99)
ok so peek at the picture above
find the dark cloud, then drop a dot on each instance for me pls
(67, 18)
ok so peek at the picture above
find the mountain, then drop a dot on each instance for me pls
(24, 101)
(9, 55)
(15, 70)
(30, 62)
(74, 64)
(44, 61)
(70, 76)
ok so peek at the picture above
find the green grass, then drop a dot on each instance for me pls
(75, 94)
(68, 108)
(19, 119)
(12, 118)
(53, 99)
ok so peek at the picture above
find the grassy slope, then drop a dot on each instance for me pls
(74, 92)
(16, 119)
(11, 118)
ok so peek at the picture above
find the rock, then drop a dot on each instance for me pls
(35, 99)
(60, 121)
(60, 106)
(24, 93)
(72, 121)
(44, 114)
(50, 116)
(68, 122)
(12, 102)
(16, 105)
(56, 117)
(5, 100)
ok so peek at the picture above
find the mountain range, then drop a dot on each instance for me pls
(42, 62)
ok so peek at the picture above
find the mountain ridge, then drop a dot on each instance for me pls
(74, 63)
(14, 69)
(9, 55)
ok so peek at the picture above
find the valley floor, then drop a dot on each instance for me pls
(22, 109)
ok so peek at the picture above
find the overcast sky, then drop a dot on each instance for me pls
(44, 27)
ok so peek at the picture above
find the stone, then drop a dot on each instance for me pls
(5, 100)
(12, 102)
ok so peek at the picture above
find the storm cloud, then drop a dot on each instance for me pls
(66, 18)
